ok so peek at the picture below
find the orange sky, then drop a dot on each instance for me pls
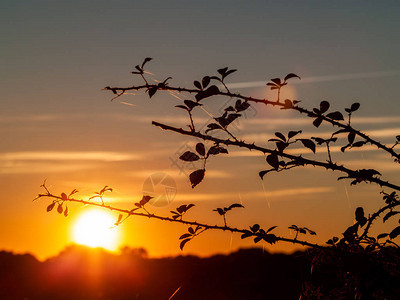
(57, 123)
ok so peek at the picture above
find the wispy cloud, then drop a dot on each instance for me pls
(67, 156)
(57, 161)
(23, 167)
(254, 194)
(324, 78)
(29, 118)
(176, 173)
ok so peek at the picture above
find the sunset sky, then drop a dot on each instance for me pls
(57, 123)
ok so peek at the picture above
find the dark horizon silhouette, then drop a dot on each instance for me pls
(79, 272)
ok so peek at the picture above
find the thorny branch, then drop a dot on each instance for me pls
(133, 212)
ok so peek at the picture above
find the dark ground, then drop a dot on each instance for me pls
(83, 273)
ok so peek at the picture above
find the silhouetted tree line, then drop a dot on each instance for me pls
(83, 273)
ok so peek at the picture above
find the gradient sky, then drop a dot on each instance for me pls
(57, 123)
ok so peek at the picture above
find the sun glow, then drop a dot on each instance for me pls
(95, 228)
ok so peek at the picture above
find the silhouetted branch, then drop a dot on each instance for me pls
(133, 212)
(304, 161)
(309, 113)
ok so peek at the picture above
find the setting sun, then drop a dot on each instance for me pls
(95, 228)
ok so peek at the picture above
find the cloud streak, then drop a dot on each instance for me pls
(67, 156)
(57, 161)
(255, 194)
(325, 78)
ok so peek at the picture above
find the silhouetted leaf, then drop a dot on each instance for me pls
(222, 71)
(262, 173)
(181, 106)
(59, 209)
(66, 211)
(220, 211)
(230, 108)
(309, 144)
(181, 208)
(145, 199)
(74, 191)
(235, 205)
(257, 239)
(389, 215)
(291, 75)
(270, 238)
(211, 91)
(382, 235)
(281, 146)
(229, 72)
(231, 118)
(358, 144)
(191, 104)
(351, 137)
(355, 106)
(50, 207)
(184, 236)
(119, 219)
(152, 91)
(64, 196)
(324, 106)
(196, 177)
(189, 206)
(189, 156)
(255, 228)
(200, 149)
(213, 126)
(271, 228)
(318, 140)
(214, 150)
(337, 115)
(350, 232)
(183, 243)
(146, 60)
(287, 104)
(241, 106)
(205, 81)
(105, 189)
(398, 138)
(277, 81)
(312, 232)
(139, 69)
(395, 232)
(197, 84)
(273, 160)
(293, 133)
(359, 213)
(317, 122)
(281, 136)
(191, 230)
(246, 234)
